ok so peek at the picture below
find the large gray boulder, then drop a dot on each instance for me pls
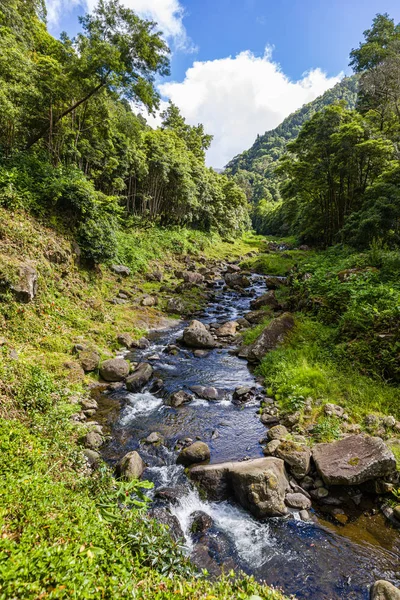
(383, 590)
(197, 336)
(131, 466)
(114, 369)
(142, 375)
(272, 336)
(353, 460)
(25, 288)
(259, 485)
(195, 453)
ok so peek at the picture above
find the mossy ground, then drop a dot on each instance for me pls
(57, 541)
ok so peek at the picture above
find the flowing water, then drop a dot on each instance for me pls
(316, 560)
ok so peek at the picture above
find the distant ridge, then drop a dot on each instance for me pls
(254, 169)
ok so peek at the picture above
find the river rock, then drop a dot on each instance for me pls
(237, 280)
(89, 360)
(260, 486)
(142, 375)
(121, 270)
(201, 353)
(195, 453)
(114, 369)
(243, 394)
(162, 515)
(207, 393)
(227, 329)
(383, 590)
(25, 289)
(213, 480)
(178, 398)
(297, 500)
(297, 456)
(279, 432)
(353, 460)
(267, 299)
(92, 457)
(197, 336)
(272, 336)
(272, 447)
(274, 283)
(175, 306)
(201, 522)
(125, 340)
(93, 440)
(131, 466)
(155, 437)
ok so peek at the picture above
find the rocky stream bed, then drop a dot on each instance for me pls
(267, 511)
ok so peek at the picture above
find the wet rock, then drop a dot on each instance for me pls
(195, 453)
(297, 500)
(383, 590)
(156, 386)
(172, 349)
(178, 398)
(93, 440)
(154, 438)
(243, 394)
(197, 336)
(268, 419)
(272, 336)
(121, 270)
(305, 515)
(227, 329)
(114, 369)
(89, 360)
(172, 495)
(162, 515)
(296, 456)
(213, 480)
(260, 486)
(149, 301)
(333, 410)
(319, 493)
(125, 340)
(143, 343)
(200, 353)
(237, 280)
(201, 522)
(207, 393)
(131, 466)
(268, 299)
(279, 432)
(175, 306)
(139, 378)
(25, 289)
(353, 460)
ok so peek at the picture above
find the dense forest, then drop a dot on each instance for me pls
(339, 179)
(73, 143)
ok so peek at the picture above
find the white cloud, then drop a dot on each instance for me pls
(168, 14)
(237, 98)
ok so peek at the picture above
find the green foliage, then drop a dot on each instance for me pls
(97, 238)
(327, 429)
(35, 393)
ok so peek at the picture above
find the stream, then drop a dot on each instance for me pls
(314, 560)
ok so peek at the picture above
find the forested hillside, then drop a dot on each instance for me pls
(72, 141)
(339, 180)
(255, 169)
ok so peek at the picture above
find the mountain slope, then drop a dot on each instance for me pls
(254, 169)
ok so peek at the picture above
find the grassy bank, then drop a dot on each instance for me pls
(345, 347)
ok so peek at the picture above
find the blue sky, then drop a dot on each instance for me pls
(220, 74)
